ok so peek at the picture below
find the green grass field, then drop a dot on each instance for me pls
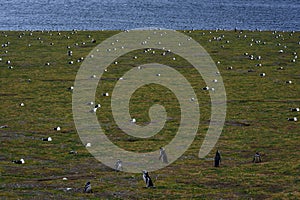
(257, 112)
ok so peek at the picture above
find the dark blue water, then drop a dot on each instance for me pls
(172, 14)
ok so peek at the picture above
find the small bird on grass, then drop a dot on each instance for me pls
(147, 179)
(88, 188)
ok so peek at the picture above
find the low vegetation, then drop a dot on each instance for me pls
(40, 74)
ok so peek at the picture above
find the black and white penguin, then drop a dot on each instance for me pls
(205, 88)
(49, 139)
(257, 158)
(217, 159)
(73, 152)
(21, 161)
(98, 106)
(162, 155)
(4, 126)
(88, 188)
(57, 128)
(295, 109)
(118, 165)
(293, 119)
(147, 179)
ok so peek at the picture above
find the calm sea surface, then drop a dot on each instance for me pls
(172, 14)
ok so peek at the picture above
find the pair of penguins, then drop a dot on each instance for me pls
(146, 177)
(256, 158)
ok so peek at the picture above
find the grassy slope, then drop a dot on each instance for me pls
(262, 102)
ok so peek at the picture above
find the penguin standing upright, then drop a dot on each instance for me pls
(217, 159)
(147, 179)
(162, 155)
(257, 158)
(118, 165)
(88, 188)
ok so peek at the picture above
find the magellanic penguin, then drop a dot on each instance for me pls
(217, 159)
(257, 158)
(147, 179)
(162, 155)
(118, 165)
(88, 188)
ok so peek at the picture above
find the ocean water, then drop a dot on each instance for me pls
(171, 14)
